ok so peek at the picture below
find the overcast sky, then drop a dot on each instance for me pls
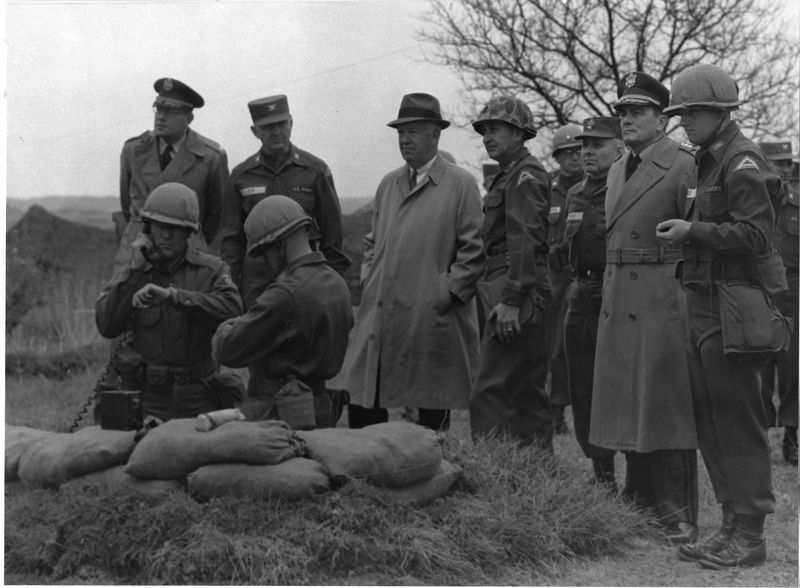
(80, 82)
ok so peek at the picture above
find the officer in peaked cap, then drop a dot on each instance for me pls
(170, 152)
(641, 396)
(279, 167)
(583, 252)
(566, 150)
(779, 154)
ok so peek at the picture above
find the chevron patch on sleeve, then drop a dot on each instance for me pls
(524, 176)
(746, 163)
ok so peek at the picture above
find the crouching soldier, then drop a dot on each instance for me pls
(297, 330)
(173, 297)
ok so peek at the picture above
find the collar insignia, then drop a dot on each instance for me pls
(630, 80)
(717, 145)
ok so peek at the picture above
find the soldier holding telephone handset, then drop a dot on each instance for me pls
(173, 297)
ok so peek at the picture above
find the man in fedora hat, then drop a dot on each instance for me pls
(279, 167)
(415, 341)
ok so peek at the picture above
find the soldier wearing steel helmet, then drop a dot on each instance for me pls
(779, 153)
(299, 326)
(509, 396)
(173, 297)
(729, 264)
(566, 150)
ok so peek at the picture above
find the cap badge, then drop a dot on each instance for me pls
(589, 124)
(271, 107)
(630, 80)
(167, 85)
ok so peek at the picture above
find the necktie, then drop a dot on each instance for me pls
(166, 157)
(413, 181)
(633, 163)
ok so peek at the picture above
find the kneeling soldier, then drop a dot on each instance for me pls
(299, 326)
(174, 297)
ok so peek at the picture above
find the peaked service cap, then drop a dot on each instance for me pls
(174, 93)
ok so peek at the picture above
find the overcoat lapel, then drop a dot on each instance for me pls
(645, 177)
(192, 149)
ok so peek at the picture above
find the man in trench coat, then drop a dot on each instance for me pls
(642, 401)
(415, 341)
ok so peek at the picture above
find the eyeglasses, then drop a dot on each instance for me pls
(169, 111)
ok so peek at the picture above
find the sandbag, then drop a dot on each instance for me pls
(18, 441)
(154, 491)
(61, 457)
(423, 493)
(292, 479)
(392, 454)
(175, 449)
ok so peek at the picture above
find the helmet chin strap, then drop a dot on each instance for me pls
(718, 130)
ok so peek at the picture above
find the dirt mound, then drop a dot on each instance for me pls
(58, 245)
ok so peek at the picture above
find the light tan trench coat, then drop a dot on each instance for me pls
(425, 244)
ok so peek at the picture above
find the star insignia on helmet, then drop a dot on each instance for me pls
(589, 124)
(630, 80)
(167, 85)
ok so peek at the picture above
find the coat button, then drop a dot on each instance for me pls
(380, 303)
(635, 234)
(632, 316)
(372, 337)
(605, 313)
(634, 275)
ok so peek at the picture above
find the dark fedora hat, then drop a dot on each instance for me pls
(416, 107)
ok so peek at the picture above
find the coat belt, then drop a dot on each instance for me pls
(622, 255)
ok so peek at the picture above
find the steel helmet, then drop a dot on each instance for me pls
(508, 110)
(172, 204)
(704, 86)
(564, 138)
(272, 218)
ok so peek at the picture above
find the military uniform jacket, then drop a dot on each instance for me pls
(201, 164)
(641, 393)
(515, 224)
(585, 237)
(176, 335)
(411, 339)
(732, 213)
(558, 214)
(305, 179)
(786, 231)
(298, 326)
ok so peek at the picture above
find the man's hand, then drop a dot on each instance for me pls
(674, 231)
(507, 321)
(141, 246)
(150, 295)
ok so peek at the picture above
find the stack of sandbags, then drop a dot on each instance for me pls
(58, 457)
(18, 441)
(404, 459)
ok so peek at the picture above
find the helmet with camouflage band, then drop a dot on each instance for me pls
(172, 204)
(509, 110)
(703, 86)
(271, 219)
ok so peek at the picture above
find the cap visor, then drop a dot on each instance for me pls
(269, 120)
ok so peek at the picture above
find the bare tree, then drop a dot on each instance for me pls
(565, 57)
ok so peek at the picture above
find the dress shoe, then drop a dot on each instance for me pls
(790, 445)
(682, 533)
(717, 542)
(604, 474)
(560, 426)
(747, 547)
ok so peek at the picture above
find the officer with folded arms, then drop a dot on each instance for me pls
(173, 297)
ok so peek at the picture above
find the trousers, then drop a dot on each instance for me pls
(729, 413)
(666, 481)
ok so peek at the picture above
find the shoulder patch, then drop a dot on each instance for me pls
(523, 177)
(746, 163)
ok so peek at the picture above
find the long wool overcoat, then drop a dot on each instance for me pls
(410, 338)
(641, 398)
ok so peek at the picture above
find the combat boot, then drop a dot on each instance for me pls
(747, 547)
(559, 423)
(604, 473)
(790, 445)
(717, 542)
